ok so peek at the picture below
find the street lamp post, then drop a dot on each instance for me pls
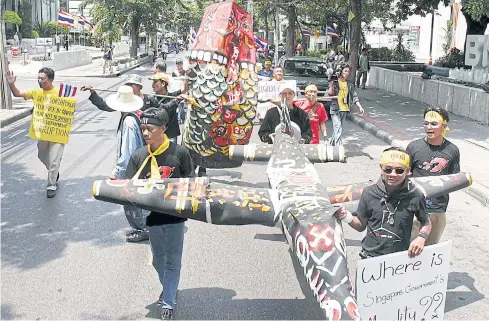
(431, 38)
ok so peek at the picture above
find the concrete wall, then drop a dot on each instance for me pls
(121, 49)
(68, 59)
(460, 100)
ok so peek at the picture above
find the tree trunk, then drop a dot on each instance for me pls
(474, 27)
(356, 34)
(290, 43)
(267, 30)
(134, 37)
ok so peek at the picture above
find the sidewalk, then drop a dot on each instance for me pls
(397, 120)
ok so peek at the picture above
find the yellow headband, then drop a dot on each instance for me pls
(433, 116)
(395, 156)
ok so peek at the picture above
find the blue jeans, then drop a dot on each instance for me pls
(167, 245)
(136, 217)
(338, 119)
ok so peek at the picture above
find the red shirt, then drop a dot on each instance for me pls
(315, 119)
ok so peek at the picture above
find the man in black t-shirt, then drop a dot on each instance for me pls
(165, 231)
(297, 116)
(387, 208)
(434, 156)
(160, 87)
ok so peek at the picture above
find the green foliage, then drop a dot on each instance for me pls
(448, 36)
(45, 28)
(452, 59)
(400, 52)
(380, 54)
(12, 17)
(25, 13)
(35, 34)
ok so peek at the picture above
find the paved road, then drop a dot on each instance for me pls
(66, 258)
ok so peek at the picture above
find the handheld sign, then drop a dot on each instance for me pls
(270, 90)
(397, 287)
(52, 118)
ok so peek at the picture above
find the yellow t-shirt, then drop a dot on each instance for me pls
(32, 93)
(343, 96)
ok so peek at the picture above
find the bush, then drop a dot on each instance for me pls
(380, 54)
(453, 59)
(12, 17)
(313, 53)
(35, 34)
(144, 54)
(402, 54)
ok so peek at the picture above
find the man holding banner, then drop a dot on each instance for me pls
(387, 209)
(51, 122)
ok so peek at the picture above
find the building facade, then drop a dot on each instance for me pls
(42, 10)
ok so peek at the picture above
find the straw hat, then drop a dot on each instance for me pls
(124, 100)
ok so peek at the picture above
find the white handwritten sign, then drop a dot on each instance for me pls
(397, 287)
(270, 90)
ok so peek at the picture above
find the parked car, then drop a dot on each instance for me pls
(306, 71)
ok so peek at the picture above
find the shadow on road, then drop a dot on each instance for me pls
(37, 230)
(458, 299)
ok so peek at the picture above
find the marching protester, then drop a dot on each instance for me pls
(160, 87)
(180, 71)
(267, 72)
(49, 153)
(316, 113)
(107, 60)
(166, 232)
(129, 138)
(160, 66)
(363, 68)
(278, 74)
(297, 115)
(387, 208)
(434, 155)
(341, 106)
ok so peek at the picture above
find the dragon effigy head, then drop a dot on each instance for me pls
(223, 80)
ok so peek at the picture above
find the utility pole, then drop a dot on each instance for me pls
(431, 38)
(5, 95)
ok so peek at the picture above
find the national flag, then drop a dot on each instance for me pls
(306, 33)
(81, 21)
(65, 19)
(260, 44)
(332, 33)
(66, 90)
(88, 25)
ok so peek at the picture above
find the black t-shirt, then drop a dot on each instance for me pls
(382, 237)
(171, 105)
(272, 120)
(175, 162)
(429, 160)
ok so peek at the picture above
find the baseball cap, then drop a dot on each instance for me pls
(160, 76)
(286, 85)
(268, 63)
(179, 61)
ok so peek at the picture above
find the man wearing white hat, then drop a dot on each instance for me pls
(129, 139)
(297, 116)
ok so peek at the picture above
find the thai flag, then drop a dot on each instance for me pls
(332, 33)
(81, 21)
(65, 19)
(194, 34)
(261, 44)
(66, 90)
(306, 33)
(88, 25)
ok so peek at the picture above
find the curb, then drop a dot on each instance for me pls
(120, 72)
(24, 113)
(476, 190)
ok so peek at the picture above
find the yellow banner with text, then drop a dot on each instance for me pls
(52, 118)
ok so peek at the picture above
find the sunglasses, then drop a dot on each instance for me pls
(389, 170)
(433, 124)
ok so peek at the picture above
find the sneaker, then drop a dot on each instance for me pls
(130, 232)
(51, 193)
(138, 236)
(166, 314)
